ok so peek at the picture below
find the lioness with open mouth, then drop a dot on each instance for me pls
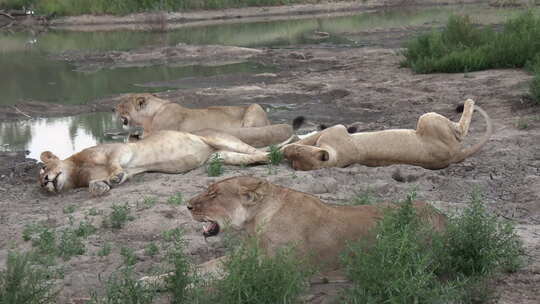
(435, 144)
(280, 216)
(106, 165)
(248, 123)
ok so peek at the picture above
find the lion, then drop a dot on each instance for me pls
(281, 216)
(435, 144)
(248, 123)
(107, 165)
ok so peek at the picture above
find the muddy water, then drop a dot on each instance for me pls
(29, 73)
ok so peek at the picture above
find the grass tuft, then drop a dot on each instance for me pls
(176, 199)
(118, 217)
(275, 155)
(215, 166)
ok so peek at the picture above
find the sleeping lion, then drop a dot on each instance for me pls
(248, 123)
(106, 165)
(435, 144)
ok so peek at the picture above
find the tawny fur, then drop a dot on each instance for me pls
(105, 165)
(435, 144)
(281, 217)
(248, 123)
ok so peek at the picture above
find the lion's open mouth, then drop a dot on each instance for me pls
(210, 229)
(125, 121)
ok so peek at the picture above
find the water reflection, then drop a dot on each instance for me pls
(62, 135)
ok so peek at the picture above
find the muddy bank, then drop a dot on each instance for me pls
(327, 85)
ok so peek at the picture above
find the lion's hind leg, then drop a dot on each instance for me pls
(462, 127)
(255, 116)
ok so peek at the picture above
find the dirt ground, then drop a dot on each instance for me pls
(326, 85)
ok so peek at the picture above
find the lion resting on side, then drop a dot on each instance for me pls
(106, 165)
(248, 123)
(435, 144)
(281, 216)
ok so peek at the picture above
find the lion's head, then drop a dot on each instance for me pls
(230, 202)
(306, 158)
(134, 108)
(55, 173)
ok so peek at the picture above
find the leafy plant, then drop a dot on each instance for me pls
(118, 217)
(176, 199)
(215, 166)
(24, 283)
(275, 155)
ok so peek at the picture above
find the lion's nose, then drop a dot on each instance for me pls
(189, 206)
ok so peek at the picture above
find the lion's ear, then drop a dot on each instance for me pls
(323, 155)
(253, 192)
(140, 102)
(47, 156)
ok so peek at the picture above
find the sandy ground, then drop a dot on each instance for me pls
(326, 85)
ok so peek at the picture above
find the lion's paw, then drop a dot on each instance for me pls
(98, 188)
(118, 178)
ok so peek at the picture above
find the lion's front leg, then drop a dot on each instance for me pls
(98, 187)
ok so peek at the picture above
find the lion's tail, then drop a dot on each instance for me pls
(466, 152)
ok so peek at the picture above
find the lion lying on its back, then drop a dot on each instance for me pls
(282, 216)
(248, 123)
(435, 144)
(105, 165)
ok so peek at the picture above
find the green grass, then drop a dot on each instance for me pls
(151, 249)
(215, 166)
(147, 203)
(74, 7)
(105, 250)
(118, 217)
(69, 244)
(128, 256)
(182, 272)
(534, 87)
(463, 47)
(409, 263)
(69, 209)
(284, 276)
(22, 282)
(275, 155)
(176, 199)
(363, 198)
(123, 287)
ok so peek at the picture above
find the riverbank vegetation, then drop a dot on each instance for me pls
(78, 7)
(463, 47)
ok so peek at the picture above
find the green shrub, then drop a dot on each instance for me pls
(74, 7)
(24, 283)
(253, 277)
(363, 198)
(69, 244)
(399, 267)
(215, 166)
(409, 263)
(182, 272)
(151, 249)
(479, 244)
(118, 217)
(463, 47)
(69, 209)
(128, 255)
(122, 287)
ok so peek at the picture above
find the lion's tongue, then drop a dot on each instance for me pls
(211, 229)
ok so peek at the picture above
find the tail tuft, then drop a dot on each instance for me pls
(460, 107)
(298, 122)
(352, 129)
